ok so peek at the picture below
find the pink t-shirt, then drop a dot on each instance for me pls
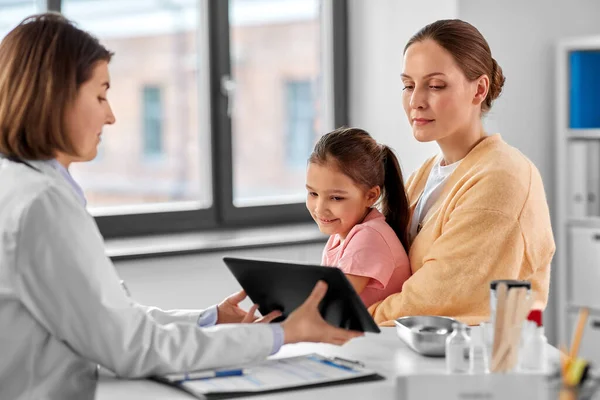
(371, 249)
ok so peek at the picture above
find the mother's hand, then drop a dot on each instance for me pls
(229, 311)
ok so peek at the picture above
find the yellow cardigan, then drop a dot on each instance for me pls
(490, 222)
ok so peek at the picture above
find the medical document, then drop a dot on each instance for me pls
(282, 373)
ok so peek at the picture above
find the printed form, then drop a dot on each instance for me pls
(283, 373)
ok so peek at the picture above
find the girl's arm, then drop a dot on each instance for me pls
(358, 282)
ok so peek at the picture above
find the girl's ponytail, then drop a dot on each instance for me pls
(394, 202)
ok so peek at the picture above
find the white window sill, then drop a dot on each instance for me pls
(198, 242)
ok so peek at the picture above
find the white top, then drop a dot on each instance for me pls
(63, 311)
(433, 189)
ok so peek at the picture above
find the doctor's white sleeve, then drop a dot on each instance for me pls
(69, 285)
(191, 316)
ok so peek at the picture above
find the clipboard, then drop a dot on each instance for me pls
(284, 286)
(279, 375)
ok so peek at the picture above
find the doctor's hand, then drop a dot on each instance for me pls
(229, 311)
(305, 324)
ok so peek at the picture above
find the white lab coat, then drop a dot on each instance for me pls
(63, 311)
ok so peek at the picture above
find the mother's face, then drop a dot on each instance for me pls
(437, 97)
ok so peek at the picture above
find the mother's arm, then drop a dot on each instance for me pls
(477, 246)
(499, 229)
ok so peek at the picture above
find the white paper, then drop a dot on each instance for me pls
(279, 374)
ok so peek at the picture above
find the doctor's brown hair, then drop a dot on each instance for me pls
(357, 155)
(43, 63)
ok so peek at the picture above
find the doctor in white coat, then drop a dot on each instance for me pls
(62, 309)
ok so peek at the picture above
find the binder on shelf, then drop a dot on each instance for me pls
(584, 89)
(577, 179)
(593, 178)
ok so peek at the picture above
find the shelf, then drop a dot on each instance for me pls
(584, 222)
(577, 176)
(583, 134)
(593, 309)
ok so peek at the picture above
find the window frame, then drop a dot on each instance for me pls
(223, 214)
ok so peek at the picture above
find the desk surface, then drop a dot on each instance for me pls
(384, 353)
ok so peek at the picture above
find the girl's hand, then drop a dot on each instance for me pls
(229, 311)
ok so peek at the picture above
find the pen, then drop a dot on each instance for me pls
(191, 376)
(344, 360)
(336, 365)
(337, 362)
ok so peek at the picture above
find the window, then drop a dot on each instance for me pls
(152, 114)
(157, 94)
(229, 96)
(271, 41)
(14, 11)
(301, 134)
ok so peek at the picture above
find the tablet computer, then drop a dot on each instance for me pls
(284, 286)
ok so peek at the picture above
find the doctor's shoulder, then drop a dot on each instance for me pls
(22, 186)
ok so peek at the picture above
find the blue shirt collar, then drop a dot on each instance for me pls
(67, 176)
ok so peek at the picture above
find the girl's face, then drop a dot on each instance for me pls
(87, 115)
(437, 97)
(335, 201)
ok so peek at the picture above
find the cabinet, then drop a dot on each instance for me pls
(576, 279)
(583, 269)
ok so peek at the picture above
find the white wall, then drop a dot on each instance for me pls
(522, 35)
(378, 31)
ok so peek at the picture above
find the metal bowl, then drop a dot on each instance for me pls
(425, 334)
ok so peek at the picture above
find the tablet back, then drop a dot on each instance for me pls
(284, 286)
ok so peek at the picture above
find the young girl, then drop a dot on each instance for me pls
(348, 174)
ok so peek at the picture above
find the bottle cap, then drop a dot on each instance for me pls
(510, 283)
(459, 326)
(535, 316)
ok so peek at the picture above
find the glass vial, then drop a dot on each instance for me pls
(478, 359)
(458, 344)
